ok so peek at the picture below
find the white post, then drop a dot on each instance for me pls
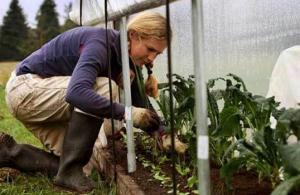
(201, 98)
(127, 90)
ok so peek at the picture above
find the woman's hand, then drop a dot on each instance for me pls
(164, 142)
(180, 147)
(145, 119)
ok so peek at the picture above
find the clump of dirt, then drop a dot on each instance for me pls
(8, 174)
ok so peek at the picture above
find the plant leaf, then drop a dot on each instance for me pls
(229, 121)
(239, 80)
(291, 157)
(192, 181)
(230, 168)
(287, 186)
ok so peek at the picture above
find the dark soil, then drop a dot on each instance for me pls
(244, 182)
(141, 176)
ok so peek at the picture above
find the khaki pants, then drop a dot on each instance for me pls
(39, 103)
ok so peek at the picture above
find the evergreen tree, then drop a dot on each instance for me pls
(47, 18)
(32, 43)
(68, 24)
(13, 33)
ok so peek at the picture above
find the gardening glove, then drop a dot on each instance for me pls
(164, 141)
(180, 147)
(145, 119)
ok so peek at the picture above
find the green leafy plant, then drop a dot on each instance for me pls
(240, 132)
(244, 112)
(288, 124)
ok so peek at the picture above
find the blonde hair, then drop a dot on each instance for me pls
(151, 84)
(149, 25)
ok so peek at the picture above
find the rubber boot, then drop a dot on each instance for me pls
(77, 150)
(26, 158)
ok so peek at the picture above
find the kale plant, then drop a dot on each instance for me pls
(240, 130)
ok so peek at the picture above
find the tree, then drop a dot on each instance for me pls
(48, 25)
(31, 43)
(13, 33)
(68, 24)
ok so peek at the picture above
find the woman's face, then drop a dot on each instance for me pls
(144, 50)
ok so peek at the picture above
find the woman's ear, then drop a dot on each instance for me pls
(132, 35)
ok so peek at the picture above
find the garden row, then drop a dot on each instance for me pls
(243, 141)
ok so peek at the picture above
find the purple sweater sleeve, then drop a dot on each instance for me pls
(80, 92)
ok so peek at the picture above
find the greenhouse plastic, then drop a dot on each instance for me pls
(93, 10)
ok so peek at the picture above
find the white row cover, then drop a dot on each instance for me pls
(285, 80)
(93, 10)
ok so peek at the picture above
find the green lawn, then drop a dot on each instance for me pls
(29, 184)
(5, 69)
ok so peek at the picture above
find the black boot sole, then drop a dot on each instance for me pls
(58, 188)
(62, 187)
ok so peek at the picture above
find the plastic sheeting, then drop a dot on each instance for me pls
(246, 37)
(93, 10)
(241, 36)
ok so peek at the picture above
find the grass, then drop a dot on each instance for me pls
(5, 69)
(31, 184)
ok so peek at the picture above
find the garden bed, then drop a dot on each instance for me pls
(240, 157)
(142, 181)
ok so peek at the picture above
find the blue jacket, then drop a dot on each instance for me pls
(82, 54)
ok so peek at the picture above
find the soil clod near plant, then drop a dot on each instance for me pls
(8, 174)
